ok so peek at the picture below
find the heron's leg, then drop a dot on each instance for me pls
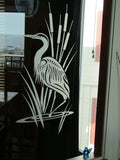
(63, 117)
(44, 93)
(41, 99)
(48, 100)
(54, 97)
(58, 107)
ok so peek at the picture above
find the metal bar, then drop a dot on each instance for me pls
(2, 45)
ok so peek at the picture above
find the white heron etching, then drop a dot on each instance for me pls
(50, 73)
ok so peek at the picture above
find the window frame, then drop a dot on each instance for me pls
(102, 121)
(104, 74)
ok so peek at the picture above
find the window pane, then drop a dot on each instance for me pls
(90, 72)
(11, 47)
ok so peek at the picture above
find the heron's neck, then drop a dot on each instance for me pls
(41, 51)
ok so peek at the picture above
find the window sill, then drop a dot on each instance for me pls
(81, 158)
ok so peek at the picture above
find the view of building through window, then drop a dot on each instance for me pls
(11, 44)
(90, 72)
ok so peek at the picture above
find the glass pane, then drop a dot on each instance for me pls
(12, 49)
(90, 72)
(40, 85)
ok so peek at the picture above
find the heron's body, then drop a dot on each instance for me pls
(51, 74)
(48, 70)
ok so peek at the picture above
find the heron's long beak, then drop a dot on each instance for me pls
(29, 35)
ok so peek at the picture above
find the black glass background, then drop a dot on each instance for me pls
(26, 141)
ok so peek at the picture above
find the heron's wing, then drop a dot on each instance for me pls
(54, 77)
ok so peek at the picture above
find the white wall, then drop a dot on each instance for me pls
(88, 90)
(90, 68)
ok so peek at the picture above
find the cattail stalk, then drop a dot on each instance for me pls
(66, 19)
(50, 19)
(59, 37)
(66, 41)
(64, 31)
(51, 29)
